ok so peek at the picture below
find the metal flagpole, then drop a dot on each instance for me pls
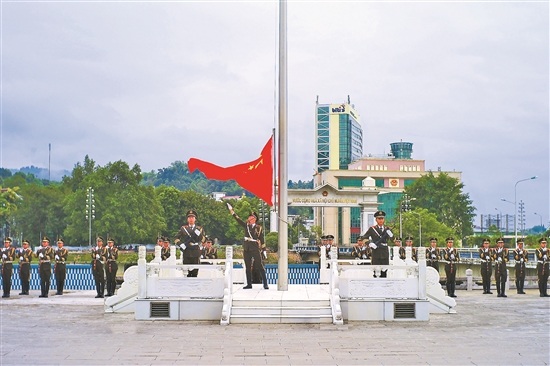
(282, 278)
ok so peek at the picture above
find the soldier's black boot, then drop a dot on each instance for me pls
(248, 280)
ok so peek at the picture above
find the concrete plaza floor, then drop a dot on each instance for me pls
(73, 330)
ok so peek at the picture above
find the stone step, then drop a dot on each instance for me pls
(281, 310)
(281, 303)
(275, 319)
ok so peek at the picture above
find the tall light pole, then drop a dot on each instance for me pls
(516, 206)
(419, 228)
(90, 212)
(540, 220)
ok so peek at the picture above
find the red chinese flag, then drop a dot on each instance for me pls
(255, 176)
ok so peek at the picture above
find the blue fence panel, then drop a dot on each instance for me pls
(78, 277)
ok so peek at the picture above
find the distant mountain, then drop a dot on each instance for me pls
(42, 173)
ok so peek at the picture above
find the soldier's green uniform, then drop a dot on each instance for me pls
(8, 256)
(60, 269)
(500, 257)
(486, 257)
(433, 255)
(99, 256)
(542, 267)
(111, 267)
(25, 259)
(451, 257)
(45, 256)
(521, 257)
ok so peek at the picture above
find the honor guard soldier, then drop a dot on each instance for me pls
(189, 239)
(409, 243)
(59, 268)
(253, 246)
(112, 267)
(165, 251)
(432, 255)
(324, 243)
(378, 236)
(486, 256)
(521, 257)
(160, 241)
(25, 259)
(500, 257)
(330, 244)
(99, 256)
(401, 250)
(45, 256)
(209, 251)
(8, 256)
(542, 267)
(451, 257)
(360, 250)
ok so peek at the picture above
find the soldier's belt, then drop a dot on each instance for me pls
(246, 238)
(7, 262)
(486, 260)
(541, 261)
(59, 262)
(194, 244)
(520, 262)
(111, 260)
(45, 261)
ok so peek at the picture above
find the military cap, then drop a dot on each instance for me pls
(252, 213)
(324, 237)
(7, 240)
(500, 240)
(378, 214)
(409, 238)
(110, 240)
(208, 239)
(26, 241)
(486, 240)
(330, 237)
(543, 240)
(450, 238)
(60, 240)
(521, 240)
(192, 213)
(397, 238)
(359, 237)
(165, 239)
(45, 238)
(433, 239)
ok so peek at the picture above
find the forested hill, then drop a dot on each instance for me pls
(178, 175)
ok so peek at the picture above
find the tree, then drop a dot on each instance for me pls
(9, 200)
(443, 196)
(430, 227)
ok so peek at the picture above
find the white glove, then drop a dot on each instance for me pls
(521, 260)
(97, 256)
(21, 259)
(364, 256)
(56, 257)
(452, 256)
(41, 255)
(202, 256)
(500, 259)
(373, 246)
(390, 234)
(264, 253)
(182, 246)
(544, 257)
(229, 206)
(4, 256)
(433, 256)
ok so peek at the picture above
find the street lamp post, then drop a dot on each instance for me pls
(516, 206)
(540, 220)
(419, 228)
(90, 212)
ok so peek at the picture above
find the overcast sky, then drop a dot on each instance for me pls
(155, 82)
